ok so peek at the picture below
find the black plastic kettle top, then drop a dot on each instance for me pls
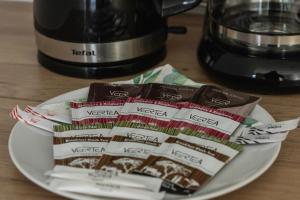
(101, 38)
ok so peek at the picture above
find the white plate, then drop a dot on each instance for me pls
(31, 151)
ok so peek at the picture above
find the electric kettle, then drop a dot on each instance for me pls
(103, 38)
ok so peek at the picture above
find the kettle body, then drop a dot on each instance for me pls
(103, 38)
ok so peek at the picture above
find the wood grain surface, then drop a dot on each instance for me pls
(23, 81)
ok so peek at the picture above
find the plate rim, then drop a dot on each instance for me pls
(211, 195)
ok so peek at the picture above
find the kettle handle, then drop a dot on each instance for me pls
(173, 7)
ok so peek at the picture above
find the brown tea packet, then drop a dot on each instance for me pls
(184, 166)
(225, 99)
(108, 92)
(170, 93)
(125, 154)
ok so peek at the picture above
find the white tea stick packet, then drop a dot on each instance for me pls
(104, 190)
(31, 119)
(273, 132)
(51, 112)
(96, 176)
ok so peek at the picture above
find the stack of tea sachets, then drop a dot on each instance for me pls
(164, 131)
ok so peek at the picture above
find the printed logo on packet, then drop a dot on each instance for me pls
(137, 136)
(119, 94)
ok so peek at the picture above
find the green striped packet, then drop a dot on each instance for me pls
(140, 131)
(197, 134)
(144, 126)
(80, 146)
(72, 130)
(225, 147)
(172, 130)
(248, 122)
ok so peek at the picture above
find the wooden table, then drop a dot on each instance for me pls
(23, 81)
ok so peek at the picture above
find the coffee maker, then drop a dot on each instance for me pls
(253, 42)
(103, 38)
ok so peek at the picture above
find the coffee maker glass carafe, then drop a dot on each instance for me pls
(269, 26)
(254, 42)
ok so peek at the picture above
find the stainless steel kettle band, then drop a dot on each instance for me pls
(255, 39)
(101, 52)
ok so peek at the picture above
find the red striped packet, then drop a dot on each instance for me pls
(148, 112)
(90, 113)
(210, 121)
